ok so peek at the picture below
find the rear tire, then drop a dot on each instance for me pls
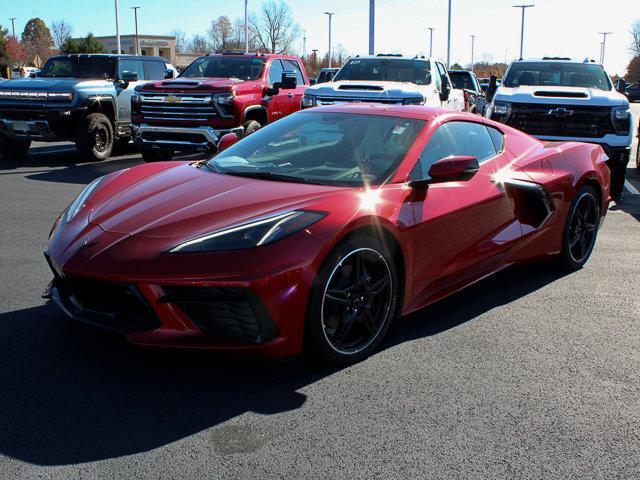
(580, 229)
(94, 137)
(157, 155)
(251, 126)
(13, 147)
(353, 301)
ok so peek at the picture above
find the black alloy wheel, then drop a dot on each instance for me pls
(581, 228)
(101, 138)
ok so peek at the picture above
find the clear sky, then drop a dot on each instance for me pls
(553, 27)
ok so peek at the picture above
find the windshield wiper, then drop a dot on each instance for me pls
(262, 175)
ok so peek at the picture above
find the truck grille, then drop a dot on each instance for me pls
(178, 106)
(561, 121)
(31, 112)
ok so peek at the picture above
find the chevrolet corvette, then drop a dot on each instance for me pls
(317, 231)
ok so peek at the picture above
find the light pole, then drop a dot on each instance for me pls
(604, 44)
(304, 43)
(449, 38)
(431, 29)
(246, 28)
(135, 14)
(331, 14)
(118, 46)
(315, 58)
(13, 26)
(473, 41)
(523, 7)
(372, 25)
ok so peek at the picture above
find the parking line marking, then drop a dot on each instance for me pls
(630, 188)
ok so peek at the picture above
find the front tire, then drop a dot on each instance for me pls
(13, 147)
(94, 137)
(352, 303)
(157, 155)
(581, 229)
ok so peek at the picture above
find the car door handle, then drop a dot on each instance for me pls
(290, 95)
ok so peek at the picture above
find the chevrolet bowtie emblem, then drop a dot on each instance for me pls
(173, 99)
(560, 112)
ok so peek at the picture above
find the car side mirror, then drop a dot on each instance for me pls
(312, 81)
(493, 86)
(227, 140)
(288, 80)
(454, 168)
(621, 85)
(446, 87)
(168, 74)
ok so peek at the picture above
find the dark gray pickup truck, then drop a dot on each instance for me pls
(82, 98)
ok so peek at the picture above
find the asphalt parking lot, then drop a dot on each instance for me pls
(533, 373)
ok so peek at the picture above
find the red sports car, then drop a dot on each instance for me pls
(315, 232)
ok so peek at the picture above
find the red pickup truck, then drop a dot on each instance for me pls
(215, 95)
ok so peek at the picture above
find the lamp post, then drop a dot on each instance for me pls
(372, 25)
(604, 44)
(118, 46)
(330, 14)
(431, 29)
(135, 14)
(473, 41)
(304, 43)
(523, 7)
(449, 38)
(246, 28)
(13, 26)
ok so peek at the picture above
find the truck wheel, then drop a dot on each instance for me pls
(251, 126)
(157, 155)
(13, 147)
(94, 137)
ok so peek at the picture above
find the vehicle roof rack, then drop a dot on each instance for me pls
(556, 58)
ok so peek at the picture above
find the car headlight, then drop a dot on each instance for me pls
(413, 101)
(499, 108)
(60, 96)
(621, 113)
(308, 101)
(251, 234)
(82, 198)
(225, 98)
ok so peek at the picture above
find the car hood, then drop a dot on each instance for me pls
(561, 95)
(181, 201)
(366, 90)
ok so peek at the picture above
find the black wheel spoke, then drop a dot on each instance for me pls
(379, 285)
(337, 296)
(368, 322)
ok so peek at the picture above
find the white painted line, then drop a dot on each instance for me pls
(630, 188)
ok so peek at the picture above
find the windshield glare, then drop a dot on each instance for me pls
(327, 148)
(386, 69)
(556, 74)
(243, 68)
(79, 67)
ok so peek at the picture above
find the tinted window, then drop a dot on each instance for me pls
(553, 74)
(133, 66)
(79, 67)
(462, 80)
(154, 70)
(455, 138)
(386, 69)
(275, 72)
(497, 137)
(295, 66)
(243, 68)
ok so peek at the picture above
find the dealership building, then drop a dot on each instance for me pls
(158, 45)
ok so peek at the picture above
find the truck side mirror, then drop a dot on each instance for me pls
(168, 74)
(128, 77)
(226, 141)
(621, 85)
(446, 87)
(491, 89)
(288, 80)
(312, 81)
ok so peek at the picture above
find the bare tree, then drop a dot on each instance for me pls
(635, 34)
(274, 28)
(221, 33)
(182, 43)
(61, 31)
(198, 44)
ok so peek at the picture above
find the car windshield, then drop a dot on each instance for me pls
(558, 74)
(337, 149)
(386, 69)
(79, 67)
(243, 68)
(462, 80)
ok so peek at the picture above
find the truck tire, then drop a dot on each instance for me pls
(13, 147)
(157, 155)
(94, 137)
(251, 126)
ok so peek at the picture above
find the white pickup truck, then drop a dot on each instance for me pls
(390, 79)
(561, 99)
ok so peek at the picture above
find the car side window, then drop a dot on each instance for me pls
(436, 77)
(295, 66)
(455, 138)
(154, 70)
(133, 66)
(497, 137)
(275, 72)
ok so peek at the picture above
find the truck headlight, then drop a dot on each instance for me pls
(621, 119)
(60, 96)
(225, 98)
(621, 113)
(499, 110)
(308, 101)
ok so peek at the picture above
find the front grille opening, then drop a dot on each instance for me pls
(361, 87)
(560, 94)
(229, 314)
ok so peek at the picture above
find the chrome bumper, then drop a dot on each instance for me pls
(170, 137)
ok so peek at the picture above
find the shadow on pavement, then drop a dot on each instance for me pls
(72, 394)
